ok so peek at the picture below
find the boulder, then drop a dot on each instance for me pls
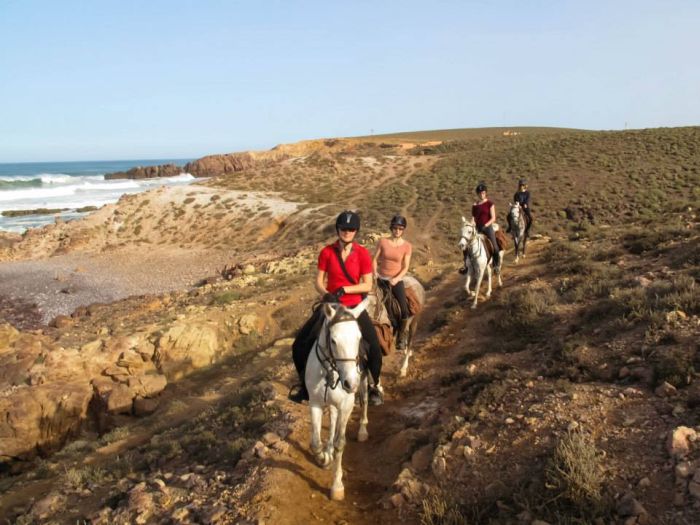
(187, 346)
(145, 406)
(250, 323)
(147, 385)
(41, 417)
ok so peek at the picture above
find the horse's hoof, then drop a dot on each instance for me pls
(337, 494)
(362, 435)
(402, 372)
(323, 460)
(472, 294)
(473, 307)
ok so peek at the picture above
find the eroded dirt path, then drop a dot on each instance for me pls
(297, 491)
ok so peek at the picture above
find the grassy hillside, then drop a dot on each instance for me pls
(461, 134)
(576, 178)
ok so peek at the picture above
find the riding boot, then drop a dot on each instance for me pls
(402, 342)
(376, 395)
(298, 392)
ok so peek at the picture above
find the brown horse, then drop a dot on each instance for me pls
(385, 311)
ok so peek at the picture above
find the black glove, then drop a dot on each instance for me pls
(339, 293)
(329, 298)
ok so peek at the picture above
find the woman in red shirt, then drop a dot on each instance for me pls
(391, 261)
(333, 285)
(484, 213)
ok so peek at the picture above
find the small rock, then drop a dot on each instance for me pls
(439, 467)
(665, 390)
(678, 444)
(683, 470)
(644, 483)
(270, 438)
(676, 316)
(509, 421)
(397, 500)
(629, 506)
(421, 458)
(694, 489)
(624, 372)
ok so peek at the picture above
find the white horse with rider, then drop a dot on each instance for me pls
(477, 259)
(518, 229)
(333, 376)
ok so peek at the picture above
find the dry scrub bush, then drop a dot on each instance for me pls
(576, 471)
(438, 511)
(527, 311)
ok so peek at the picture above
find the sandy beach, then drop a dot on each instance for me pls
(34, 292)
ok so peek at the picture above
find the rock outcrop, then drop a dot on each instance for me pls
(213, 165)
(48, 393)
(147, 172)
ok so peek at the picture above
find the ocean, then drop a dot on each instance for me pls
(69, 186)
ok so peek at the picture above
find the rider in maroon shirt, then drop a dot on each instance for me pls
(484, 213)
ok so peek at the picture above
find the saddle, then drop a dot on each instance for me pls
(501, 239)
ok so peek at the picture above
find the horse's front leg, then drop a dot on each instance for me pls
(516, 247)
(489, 272)
(468, 281)
(333, 413)
(407, 351)
(337, 488)
(500, 271)
(477, 287)
(316, 445)
(362, 434)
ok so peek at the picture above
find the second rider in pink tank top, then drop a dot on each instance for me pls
(391, 261)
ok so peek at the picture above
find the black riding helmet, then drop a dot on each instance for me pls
(522, 182)
(481, 187)
(398, 220)
(349, 220)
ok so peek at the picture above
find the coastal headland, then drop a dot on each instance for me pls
(145, 348)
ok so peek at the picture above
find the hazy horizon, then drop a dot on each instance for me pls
(175, 79)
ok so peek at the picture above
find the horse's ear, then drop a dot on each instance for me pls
(328, 310)
(464, 221)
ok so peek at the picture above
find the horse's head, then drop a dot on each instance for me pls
(515, 211)
(344, 339)
(467, 234)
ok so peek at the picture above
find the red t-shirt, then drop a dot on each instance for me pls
(482, 212)
(358, 263)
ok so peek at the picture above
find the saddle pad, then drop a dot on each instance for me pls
(502, 240)
(414, 306)
(385, 335)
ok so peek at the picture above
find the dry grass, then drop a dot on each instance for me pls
(576, 472)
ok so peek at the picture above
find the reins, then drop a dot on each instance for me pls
(329, 362)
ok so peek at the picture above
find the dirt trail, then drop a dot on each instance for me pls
(297, 491)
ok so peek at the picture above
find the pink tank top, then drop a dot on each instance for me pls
(389, 263)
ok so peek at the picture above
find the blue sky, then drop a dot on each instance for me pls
(169, 79)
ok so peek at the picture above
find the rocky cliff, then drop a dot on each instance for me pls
(147, 172)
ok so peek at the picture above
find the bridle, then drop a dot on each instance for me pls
(329, 361)
(470, 240)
